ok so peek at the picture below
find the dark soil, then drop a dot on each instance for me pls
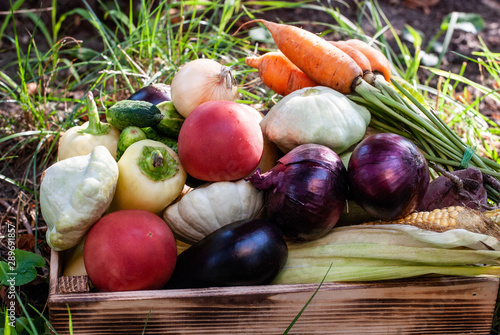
(423, 15)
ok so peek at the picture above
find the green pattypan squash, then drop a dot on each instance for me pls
(317, 115)
(75, 193)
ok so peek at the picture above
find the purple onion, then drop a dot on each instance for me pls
(306, 191)
(388, 175)
(457, 188)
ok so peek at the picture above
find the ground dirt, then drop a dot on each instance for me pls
(423, 15)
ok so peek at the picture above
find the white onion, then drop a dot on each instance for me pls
(199, 81)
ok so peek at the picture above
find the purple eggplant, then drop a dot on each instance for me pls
(154, 93)
(242, 253)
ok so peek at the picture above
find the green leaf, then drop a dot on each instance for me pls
(307, 303)
(483, 89)
(414, 92)
(413, 36)
(77, 11)
(7, 329)
(22, 270)
(469, 22)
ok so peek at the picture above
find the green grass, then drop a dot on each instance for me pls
(148, 46)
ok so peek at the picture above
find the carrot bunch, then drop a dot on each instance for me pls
(279, 74)
(307, 60)
(362, 72)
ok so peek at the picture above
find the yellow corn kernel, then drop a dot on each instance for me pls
(493, 215)
(453, 217)
(438, 219)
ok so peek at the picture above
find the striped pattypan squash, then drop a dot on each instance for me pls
(211, 206)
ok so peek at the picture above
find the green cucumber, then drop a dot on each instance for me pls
(152, 134)
(128, 136)
(172, 121)
(133, 113)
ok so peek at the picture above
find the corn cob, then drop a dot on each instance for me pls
(493, 215)
(453, 217)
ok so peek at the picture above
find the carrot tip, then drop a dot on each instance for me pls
(252, 62)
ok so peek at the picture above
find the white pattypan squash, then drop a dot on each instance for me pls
(317, 115)
(212, 206)
(74, 194)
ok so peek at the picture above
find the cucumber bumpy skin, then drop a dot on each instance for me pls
(172, 121)
(128, 136)
(133, 113)
(154, 135)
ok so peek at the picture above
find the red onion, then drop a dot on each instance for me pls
(388, 175)
(456, 188)
(306, 191)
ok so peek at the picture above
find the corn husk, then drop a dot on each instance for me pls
(382, 252)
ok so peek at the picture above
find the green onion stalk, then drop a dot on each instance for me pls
(399, 112)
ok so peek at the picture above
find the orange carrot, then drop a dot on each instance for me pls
(356, 55)
(323, 62)
(279, 74)
(378, 61)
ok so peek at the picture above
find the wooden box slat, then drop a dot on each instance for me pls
(432, 305)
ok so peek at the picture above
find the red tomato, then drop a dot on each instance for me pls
(221, 141)
(130, 250)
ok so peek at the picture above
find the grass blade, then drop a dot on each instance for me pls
(307, 304)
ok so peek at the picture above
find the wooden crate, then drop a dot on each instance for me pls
(437, 305)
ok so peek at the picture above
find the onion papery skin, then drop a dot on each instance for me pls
(199, 81)
(305, 192)
(442, 191)
(388, 175)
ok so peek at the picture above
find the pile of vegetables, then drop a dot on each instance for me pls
(190, 188)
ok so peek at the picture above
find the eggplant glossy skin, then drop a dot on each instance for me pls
(242, 253)
(154, 93)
